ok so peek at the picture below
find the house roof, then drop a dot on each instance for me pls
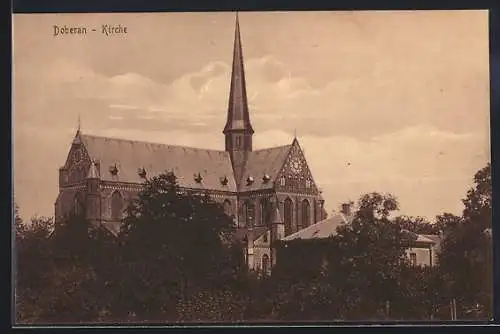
(322, 229)
(240, 234)
(436, 239)
(261, 162)
(328, 227)
(186, 162)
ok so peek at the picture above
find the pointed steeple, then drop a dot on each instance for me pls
(238, 118)
(77, 139)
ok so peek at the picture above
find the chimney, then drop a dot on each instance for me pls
(346, 209)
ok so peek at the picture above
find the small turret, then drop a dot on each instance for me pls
(93, 198)
(277, 231)
(93, 172)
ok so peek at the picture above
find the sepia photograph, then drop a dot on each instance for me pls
(251, 167)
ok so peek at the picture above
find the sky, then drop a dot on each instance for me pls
(393, 102)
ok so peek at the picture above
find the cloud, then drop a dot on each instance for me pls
(359, 133)
(123, 106)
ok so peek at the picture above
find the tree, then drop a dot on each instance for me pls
(372, 257)
(174, 243)
(466, 250)
(417, 225)
(32, 259)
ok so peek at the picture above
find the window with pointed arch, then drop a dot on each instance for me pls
(288, 215)
(77, 206)
(306, 213)
(265, 212)
(116, 205)
(227, 207)
(248, 213)
(265, 264)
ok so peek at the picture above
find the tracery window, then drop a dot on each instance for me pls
(248, 213)
(265, 211)
(288, 215)
(305, 213)
(116, 205)
(77, 206)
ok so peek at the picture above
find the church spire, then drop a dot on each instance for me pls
(77, 140)
(238, 129)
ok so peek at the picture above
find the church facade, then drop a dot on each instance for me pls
(270, 193)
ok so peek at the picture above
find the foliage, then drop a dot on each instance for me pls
(168, 228)
(417, 225)
(174, 261)
(466, 250)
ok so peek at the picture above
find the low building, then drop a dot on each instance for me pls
(421, 249)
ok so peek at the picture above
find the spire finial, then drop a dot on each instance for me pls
(295, 133)
(79, 123)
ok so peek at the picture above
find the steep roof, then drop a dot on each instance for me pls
(241, 233)
(129, 156)
(237, 116)
(322, 229)
(268, 162)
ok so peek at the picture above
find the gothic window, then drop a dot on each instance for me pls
(116, 205)
(265, 212)
(77, 206)
(264, 238)
(308, 184)
(227, 207)
(249, 213)
(305, 213)
(282, 181)
(238, 141)
(265, 264)
(288, 215)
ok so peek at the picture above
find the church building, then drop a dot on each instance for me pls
(270, 193)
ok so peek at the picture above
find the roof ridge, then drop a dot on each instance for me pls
(153, 143)
(310, 226)
(273, 147)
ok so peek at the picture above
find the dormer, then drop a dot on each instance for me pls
(224, 181)
(113, 169)
(198, 178)
(250, 180)
(142, 172)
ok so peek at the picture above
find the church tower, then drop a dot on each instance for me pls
(238, 130)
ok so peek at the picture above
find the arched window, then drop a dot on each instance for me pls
(265, 264)
(248, 213)
(265, 212)
(227, 207)
(288, 215)
(77, 206)
(116, 205)
(306, 209)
